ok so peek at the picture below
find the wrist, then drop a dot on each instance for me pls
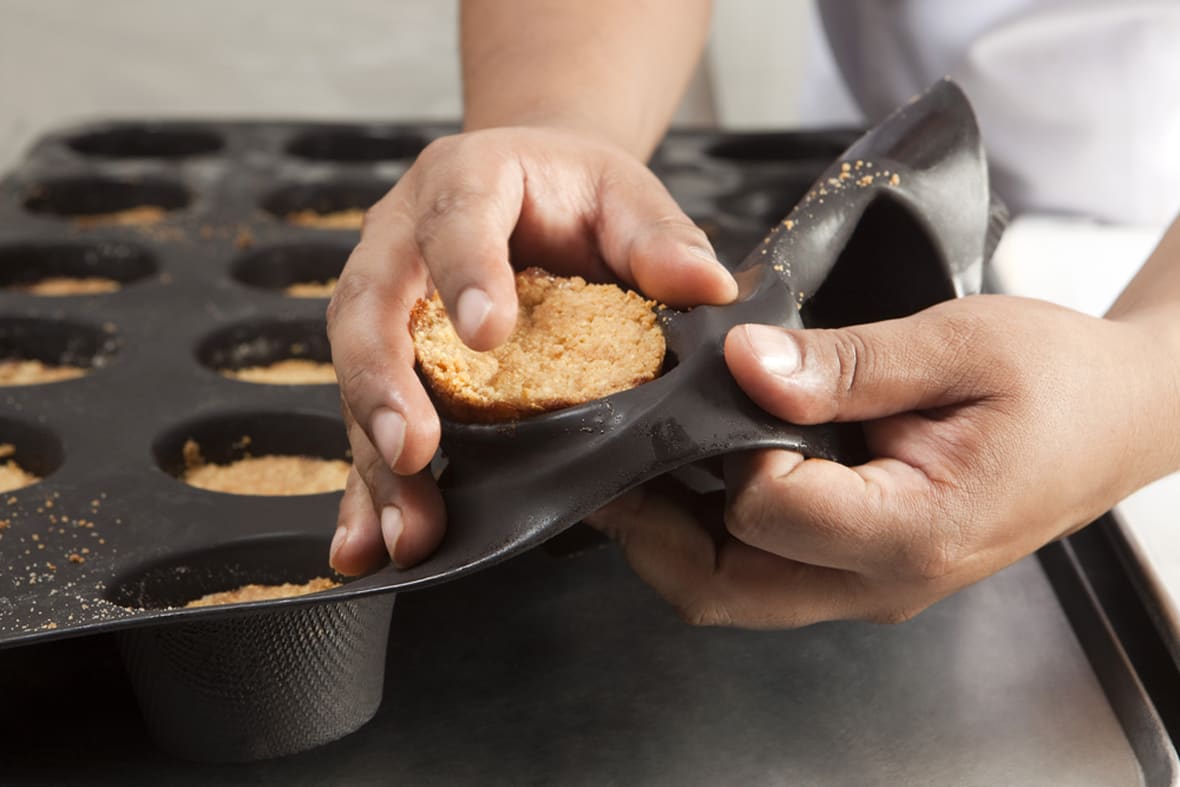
(596, 127)
(1151, 338)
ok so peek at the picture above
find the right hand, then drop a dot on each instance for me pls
(565, 201)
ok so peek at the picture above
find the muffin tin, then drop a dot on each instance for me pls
(110, 540)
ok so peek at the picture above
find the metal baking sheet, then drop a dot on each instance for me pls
(549, 670)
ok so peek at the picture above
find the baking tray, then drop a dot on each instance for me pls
(204, 285)
(568, 670)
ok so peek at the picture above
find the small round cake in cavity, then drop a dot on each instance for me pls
(347, 219)
(272, 474)
(27, 371)
(58, 286)
(262, 593)
(573, 342)
(289, 371)
(311, 289)
(12, 475)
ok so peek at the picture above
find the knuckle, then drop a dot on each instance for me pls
(369, 465)
(355, 381)
(349, 289)
(374, 215)
(440, 209)
(749, 515)
(895, 615)
(853, 359)
(931, 560)
(965, 348)
(705, 612)
(437, 149)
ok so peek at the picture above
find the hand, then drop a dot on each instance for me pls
(568, 202)
(996, 425)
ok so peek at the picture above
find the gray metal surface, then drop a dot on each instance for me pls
(568, 671)
(1148, 542)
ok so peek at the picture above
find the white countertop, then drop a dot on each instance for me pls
(1085, 265)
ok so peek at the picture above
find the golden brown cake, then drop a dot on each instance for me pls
(263, 592)
(55, 286)
(311, 289)
(12, 475)
(277, 475)
(348, 219)
(139, 216)
(573, 342)
(18, 371)
(290, 371)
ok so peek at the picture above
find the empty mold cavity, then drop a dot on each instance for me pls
(72, 268)
(782, 147)
(890, 268)
(179, 580)
(231, 445)
(768, 205)
(146, 141)
(100, 200)
(28, 454)
(334, 205)
(272, 679)
(298, 270)
(281, 353)
(352, 145)
(34, 351)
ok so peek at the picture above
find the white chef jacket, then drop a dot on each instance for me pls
(1078, 100)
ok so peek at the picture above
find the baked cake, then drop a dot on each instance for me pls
(573, 342)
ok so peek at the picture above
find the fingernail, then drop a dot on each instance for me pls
(774, 349)
(391, 528)
(338, 542)
(389, 432)
(472, 310)
(704, 257)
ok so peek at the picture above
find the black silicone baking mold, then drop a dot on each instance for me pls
(110, 540)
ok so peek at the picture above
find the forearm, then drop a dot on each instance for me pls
(1154, 294)
(610, 67)
(1150, 304)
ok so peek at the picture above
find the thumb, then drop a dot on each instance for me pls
(858, 373)
(646, 238)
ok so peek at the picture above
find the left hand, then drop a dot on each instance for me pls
(996, 425)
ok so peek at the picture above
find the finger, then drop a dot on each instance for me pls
(863, 372)
(464, 214)
(884, 517)
(408, 510)
(647, 239)
(726, 583)
(371, 345)
(356, 546)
